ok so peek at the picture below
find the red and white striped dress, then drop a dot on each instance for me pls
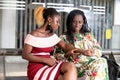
(42, 48)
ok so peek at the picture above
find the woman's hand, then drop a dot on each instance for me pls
(72, 52)
(89, 52)
(50, 61)
(59, 57)
(75, 52)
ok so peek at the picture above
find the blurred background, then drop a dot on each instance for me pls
(17, 20)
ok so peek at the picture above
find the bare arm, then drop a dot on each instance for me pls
(65, 46)
(26, 55)
(69, 49)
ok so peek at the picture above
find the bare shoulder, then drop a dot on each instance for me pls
(34, 33)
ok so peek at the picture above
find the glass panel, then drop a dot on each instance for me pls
(98, 11)
(16, 68)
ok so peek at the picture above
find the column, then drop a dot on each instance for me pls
(8, 25)
(116, 26)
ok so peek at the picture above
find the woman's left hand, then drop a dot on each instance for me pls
(89, 52)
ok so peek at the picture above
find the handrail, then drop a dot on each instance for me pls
(108, 51)
(10, 52)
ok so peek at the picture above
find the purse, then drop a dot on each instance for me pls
(113, 67)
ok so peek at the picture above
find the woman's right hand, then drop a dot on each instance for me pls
(50, 61)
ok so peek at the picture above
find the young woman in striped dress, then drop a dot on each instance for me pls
(40, 43)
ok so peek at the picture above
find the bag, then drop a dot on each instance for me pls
(113, 67)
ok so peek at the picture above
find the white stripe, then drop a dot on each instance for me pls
(42, 42)
(12, 1)
(42, 53)
(54, 71)
(37, 75)
(12, 8)
(12, 5)
(45, 75)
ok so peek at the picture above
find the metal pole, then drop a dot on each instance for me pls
(4, 67)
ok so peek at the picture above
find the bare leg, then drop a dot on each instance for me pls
(69, 71)
(60, 77)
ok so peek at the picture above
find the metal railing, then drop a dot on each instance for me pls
(10, 52)
(16, 52)
(108, 51)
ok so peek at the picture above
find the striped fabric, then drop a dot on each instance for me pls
(47, 73)
(42, 53)
(42, 42)
(42, 48)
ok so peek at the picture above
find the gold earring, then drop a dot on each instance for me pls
(49, 23)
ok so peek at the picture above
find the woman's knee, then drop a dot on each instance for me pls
(68, 66)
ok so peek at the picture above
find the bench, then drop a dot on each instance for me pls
(17, 52)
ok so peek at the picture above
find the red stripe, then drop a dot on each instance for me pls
(58, 72)
(38, 50)
(32, 70)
